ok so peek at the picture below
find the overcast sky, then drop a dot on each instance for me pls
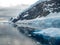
(7, 3)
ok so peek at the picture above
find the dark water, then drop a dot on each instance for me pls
(10, 35)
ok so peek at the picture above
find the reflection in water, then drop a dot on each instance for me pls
(11, 36)
(28, 31)
(49, 36)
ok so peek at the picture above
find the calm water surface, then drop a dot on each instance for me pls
(10, 35)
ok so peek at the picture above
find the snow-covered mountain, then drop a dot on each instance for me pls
(40, 9)
(45, 8)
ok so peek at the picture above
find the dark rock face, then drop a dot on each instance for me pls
(39, 9)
